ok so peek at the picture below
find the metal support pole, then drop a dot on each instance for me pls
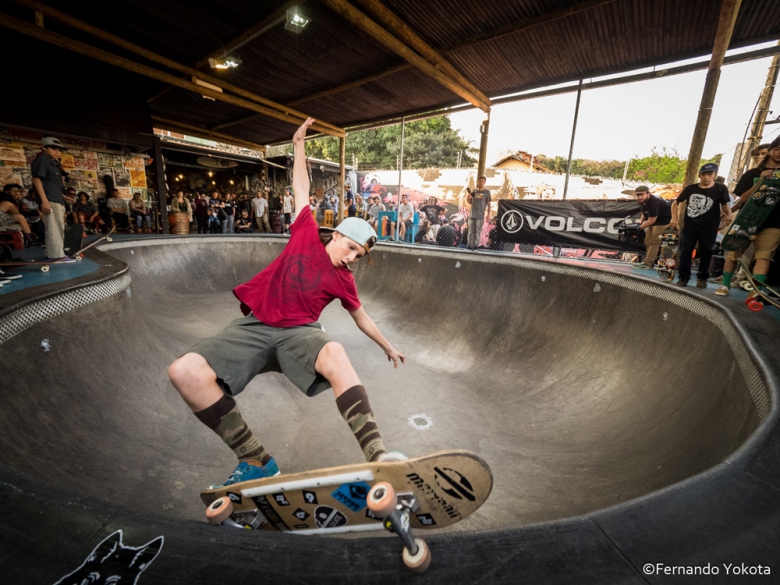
(400, 171)
(573, 132)
(728, 16)
(757, 130)
(342, 172)
(161, 186)
(484, 130)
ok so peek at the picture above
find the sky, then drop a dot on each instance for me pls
(629, 120)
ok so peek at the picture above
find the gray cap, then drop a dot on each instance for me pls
(51, 141)
(642, 189)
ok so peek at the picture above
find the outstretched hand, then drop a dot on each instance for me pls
(394, 355)
(300, 133)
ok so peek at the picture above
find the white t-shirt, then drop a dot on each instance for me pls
(259, 205)
(288, 202)
(406, 210)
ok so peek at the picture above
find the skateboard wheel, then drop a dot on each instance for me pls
(755, 305)
(418, 563)
(109, 239)
(219, 510)
(381, 499)
(44, 268)
(746, 285)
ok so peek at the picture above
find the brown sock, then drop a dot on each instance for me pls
(356, 410)
(224, 418)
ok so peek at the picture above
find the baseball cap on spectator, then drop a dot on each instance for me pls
(642, 189)
(775, 143)
(709, 168)
(51, 141)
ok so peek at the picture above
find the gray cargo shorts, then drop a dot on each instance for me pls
(248, 347)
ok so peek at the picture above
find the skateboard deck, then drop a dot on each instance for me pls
(760, 294)
(45, 264)
(447, 485)
(752, 215)
(666, 263)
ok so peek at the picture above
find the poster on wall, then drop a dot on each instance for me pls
(12, 153)
(26, 175)
(122, 177)
(9, 175)
(67, 162)
(125, 192)
(137, 179)
(104, 160)
(116, 161)
(141, 191)
(134, 163)
(31, 153)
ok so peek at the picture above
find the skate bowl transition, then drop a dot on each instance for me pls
(625, 422)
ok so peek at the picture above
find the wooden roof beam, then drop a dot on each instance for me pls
(192, 130)
(406, 34)
(289, 113)
(359, 19)
(88, 50)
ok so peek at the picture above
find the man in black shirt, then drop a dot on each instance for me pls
(656, 216)
(707, 210)
(765, 242)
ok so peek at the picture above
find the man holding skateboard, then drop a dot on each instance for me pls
(279, 332)
(707, 209)
(766, 240)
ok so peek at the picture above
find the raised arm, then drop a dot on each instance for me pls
(300, 180)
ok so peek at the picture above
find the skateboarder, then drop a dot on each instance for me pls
(708, 208)
(765, 242)
(279, 332)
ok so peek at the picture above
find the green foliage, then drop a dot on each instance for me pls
(430, 143)
(659, 167)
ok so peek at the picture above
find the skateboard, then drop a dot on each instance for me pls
(666, 263)
(760, 294)
(752, 215)
(432, 491)
(45, 264)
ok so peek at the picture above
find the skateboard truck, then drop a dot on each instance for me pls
(395, 511)
(221, 512)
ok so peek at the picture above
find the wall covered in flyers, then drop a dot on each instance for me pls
(81, 159)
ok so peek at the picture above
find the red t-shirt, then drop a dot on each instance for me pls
(296, 287)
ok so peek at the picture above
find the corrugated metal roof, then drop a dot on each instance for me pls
(615, 36)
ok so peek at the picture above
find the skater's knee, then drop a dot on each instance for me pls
(332, 357)
(188, 368)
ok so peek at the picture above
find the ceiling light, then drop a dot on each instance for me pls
(296, 21)
(230, 61)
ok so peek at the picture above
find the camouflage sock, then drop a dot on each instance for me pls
(356, 410)
(224, 418)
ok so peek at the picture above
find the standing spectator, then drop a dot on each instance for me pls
(140, 212)
(480, 212)
(373, 213)
(87, 214)
(323, 206)
(767, 238)
(708, 208)
(202, 213)
(759, 154)
(118, 208)
(260, 208)
(214, 223)
(349, 201)
(47, 180)
(288, 206)
(656, 216)
(359, 208)
(230, 214)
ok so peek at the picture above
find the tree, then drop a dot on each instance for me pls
(430, 143)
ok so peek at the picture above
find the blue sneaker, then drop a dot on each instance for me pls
(249, 470)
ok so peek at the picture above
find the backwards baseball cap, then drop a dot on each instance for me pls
(642, 189)
(709, 168)
(357, 230)
(51, 141)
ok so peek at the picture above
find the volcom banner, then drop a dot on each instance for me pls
(569, 224)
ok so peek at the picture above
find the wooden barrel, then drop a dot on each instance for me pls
(178, 223)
